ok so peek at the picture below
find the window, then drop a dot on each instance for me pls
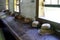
(52, 2)
(50, 10)
(16, 5)
(55, 3)
(7, 4)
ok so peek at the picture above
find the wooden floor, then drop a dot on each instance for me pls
(26, 33)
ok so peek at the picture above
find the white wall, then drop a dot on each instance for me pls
(28, 9)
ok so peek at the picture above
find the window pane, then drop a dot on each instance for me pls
(54, 2)
(52, 14)
(6, 4)
(6, 7)
(17, 9)
(47, 2)
(6, 1)
(14, 5)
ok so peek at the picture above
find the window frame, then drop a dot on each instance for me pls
(52, 5)
(46, 5)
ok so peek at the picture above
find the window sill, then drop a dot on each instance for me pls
(51, 19)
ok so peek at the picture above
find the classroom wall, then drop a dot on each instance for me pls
(2, 4)
(28, 8)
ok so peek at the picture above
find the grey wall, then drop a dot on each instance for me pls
(28, 8)
(2, 4)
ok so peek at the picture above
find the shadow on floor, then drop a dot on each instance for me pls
(7, 34)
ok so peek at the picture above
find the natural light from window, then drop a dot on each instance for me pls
(16, 5)
(51, 13)
(6, 4)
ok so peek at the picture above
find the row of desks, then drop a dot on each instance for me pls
(24, 31)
